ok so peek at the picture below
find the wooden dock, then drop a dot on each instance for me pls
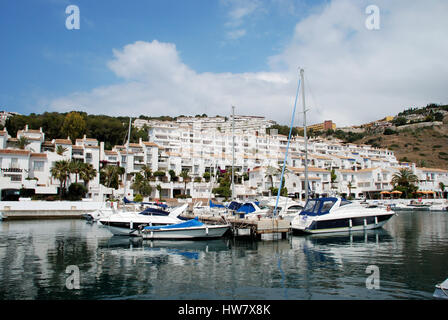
(256, 228)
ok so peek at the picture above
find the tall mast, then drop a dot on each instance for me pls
(233, 152)
(127, 159)
(304, 133)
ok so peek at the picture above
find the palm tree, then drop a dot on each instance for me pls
(146, 171)
(404, 180)
(159, 188)
(349, 186)
(60, 150)
(87, 173)
(76, 167)
(404, 177)
(141, 185)
(22, 142)
(185, 178)
(110, 176)
(61, 171)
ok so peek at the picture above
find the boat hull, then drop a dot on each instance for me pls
(345, 224)
(203, 232)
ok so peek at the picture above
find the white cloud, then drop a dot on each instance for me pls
(236, 34)
(355, 75)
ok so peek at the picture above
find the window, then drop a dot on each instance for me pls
(310, 205)
(39, 166)
(123, 159)
(1, 159)
(14, 163)
(326, 206)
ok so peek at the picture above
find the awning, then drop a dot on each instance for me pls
(384, 192)
(397, 192)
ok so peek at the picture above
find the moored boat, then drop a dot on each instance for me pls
(335, 214)
(129, 223)
(192, 229)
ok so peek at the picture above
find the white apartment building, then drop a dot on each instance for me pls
(29, 168)
(198, 145)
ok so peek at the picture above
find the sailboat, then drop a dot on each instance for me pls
(334, 214)
(108, 208)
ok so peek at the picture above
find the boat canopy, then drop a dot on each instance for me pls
(187, 224)
(246, 208)
(213, 205)
(126, 200)
(154, 212)
(318, 207)
(234, 205)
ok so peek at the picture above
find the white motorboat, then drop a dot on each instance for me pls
(248, 210)
(412, 206)
(287, 208)
(438, 206)
(129, 223)
(192, 229)
(212, 209)
(335, 214)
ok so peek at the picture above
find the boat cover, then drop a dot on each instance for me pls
(213, 205)
(234, 205)
(190, 223)
(246, 208)
(126, 200)
(154, 212)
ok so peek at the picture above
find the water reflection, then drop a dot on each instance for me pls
(410, 253)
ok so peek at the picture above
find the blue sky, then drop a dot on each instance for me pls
(220, 52)
(42, 58)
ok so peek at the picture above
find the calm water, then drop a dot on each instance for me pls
(411, 253)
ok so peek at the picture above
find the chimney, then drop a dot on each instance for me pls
(101, 150)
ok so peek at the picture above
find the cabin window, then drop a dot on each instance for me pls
(326, 206)
(310, 205)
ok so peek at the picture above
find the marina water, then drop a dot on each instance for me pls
(38, 259)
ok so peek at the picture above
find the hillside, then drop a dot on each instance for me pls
(427, 146)
(418, 135)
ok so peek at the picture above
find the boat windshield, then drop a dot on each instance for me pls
(319, 207)
(310, 206)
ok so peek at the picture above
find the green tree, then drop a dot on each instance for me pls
(76, 191)
(185, 177)
(74, 126)
(60, 150)
(75, 167)
(404, 180)
(61, 172)
(22, 142)
(141, 185)
(110, 176)
(87, 173)
(159, 188)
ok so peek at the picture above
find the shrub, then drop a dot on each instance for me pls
(159, 174)
(138, 198)
(76, 191)
(389, 131)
